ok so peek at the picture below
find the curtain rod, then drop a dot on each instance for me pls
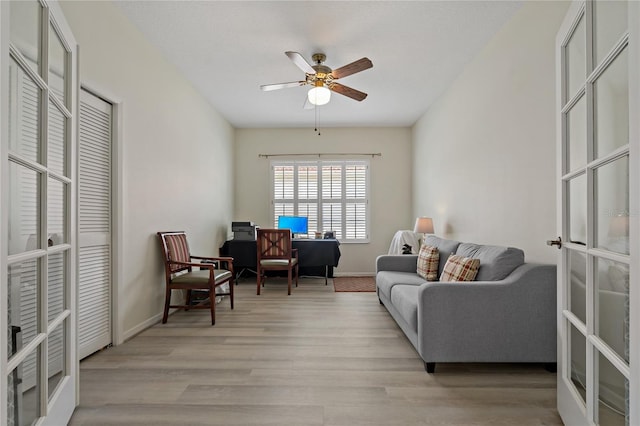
(372, 154)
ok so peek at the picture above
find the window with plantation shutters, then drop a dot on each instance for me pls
(333, 195)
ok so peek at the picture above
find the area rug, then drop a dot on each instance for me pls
(349, 284)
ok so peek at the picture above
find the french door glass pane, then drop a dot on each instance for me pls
(577, 135)
(613, 395)
(55, 289)
(56, 212)
(56, 357)
(612, 106)
(612, 206)
(578, 209)
(57, 65)
(578, 284)
(24, 205)
(23, 296)
(24, 113)
(612, 283)
(577, 368)
(56, 152)
(609, 23)
(25, 29)
(575, 62)
(23, 402)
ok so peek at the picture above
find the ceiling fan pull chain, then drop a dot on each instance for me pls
(317, 110)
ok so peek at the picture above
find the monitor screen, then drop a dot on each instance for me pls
(297, 224)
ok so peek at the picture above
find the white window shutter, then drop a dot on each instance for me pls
(355, 201)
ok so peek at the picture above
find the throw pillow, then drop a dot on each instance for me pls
(428, 259)
(460, 268)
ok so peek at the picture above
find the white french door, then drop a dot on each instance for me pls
(37, 259)
(597, 101)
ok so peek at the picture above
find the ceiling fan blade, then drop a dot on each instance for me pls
(300, 62)
(268, 87)
(352, 68)
(348, 91)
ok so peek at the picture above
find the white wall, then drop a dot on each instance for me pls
(176, 155)
(484, 154)
(390, 180)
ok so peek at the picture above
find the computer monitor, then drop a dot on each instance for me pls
(297, 224)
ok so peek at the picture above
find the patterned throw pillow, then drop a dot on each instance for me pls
(428, 259)
(460, 268)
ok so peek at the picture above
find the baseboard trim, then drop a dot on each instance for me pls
(141, 327)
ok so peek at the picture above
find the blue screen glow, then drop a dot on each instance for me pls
(297, 224)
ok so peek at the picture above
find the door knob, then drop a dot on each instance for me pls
(557, 243)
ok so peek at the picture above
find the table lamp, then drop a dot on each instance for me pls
(424, 225)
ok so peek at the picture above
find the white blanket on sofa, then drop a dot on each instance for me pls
(405, 237)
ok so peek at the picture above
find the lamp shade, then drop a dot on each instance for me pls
(424, 225)
(319, 95)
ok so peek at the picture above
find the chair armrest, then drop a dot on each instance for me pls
(294, 253)
(227, 260)
(399, 263)
(476, 319)
(222, 259)
(194, 264)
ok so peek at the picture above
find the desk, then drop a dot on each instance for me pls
(316, 257)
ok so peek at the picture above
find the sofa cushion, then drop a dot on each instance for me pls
(460, 268)
(445, 247)
(428, 259)
(405, 299)
(385, 280)
(496, 262)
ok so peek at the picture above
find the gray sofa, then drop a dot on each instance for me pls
(508, 314)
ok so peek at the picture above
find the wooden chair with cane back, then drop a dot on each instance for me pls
(275, 253)
(183, 273)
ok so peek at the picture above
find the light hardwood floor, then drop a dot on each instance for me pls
(313, 358)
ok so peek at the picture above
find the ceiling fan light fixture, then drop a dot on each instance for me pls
(319, 95)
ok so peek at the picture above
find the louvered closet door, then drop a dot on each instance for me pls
(94, 315)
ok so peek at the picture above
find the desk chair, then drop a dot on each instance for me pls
(180, 274)
(276, 254)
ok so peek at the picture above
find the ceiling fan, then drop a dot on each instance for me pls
(322, 78)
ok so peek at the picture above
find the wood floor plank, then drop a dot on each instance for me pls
(313, 358)
(194, 415)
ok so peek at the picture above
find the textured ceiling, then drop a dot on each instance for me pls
(227, 49)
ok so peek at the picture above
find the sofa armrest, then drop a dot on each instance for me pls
(399, 263)
(506, 320)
